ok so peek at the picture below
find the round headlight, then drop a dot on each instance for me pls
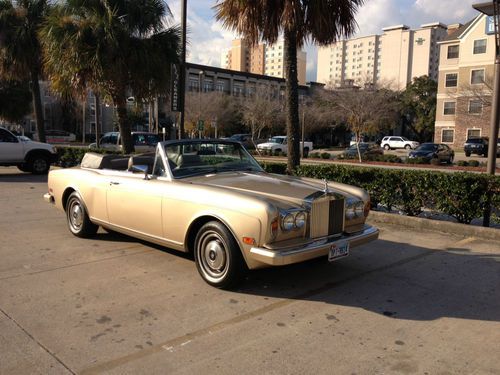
(360, 208)
(300, 220)
(288, 222)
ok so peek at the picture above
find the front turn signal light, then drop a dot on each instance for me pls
(249, 240)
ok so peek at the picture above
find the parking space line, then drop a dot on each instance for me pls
(53, 355)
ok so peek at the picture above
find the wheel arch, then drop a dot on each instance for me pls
(37, 151)
(195, 226)
(67, 192)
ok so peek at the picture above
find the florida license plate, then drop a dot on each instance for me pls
(338, 250)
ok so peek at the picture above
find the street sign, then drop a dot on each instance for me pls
(175, 89)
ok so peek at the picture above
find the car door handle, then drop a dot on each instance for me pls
(114, 183)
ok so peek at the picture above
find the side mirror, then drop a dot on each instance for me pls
(140, 169)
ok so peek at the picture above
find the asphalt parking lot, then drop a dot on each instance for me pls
(409, 303)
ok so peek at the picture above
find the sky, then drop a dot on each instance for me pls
(207, 38)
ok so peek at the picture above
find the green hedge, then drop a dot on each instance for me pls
(461, 195)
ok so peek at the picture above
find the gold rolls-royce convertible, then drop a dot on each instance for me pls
(213, 199)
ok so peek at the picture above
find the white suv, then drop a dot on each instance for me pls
(28, 156)
(398, 142)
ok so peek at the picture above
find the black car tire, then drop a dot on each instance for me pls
(467, 153)
(407, 147)
(24, 167)
(218, 256)
(78, 219)
(38, 164)
(387, 147)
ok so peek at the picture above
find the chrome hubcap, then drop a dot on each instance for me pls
(212, 255)
(76, 216)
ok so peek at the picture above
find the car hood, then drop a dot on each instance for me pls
(276, 187)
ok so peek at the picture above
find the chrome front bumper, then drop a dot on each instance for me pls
(314, 249)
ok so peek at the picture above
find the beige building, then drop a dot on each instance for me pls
(244, 57)
(392, 58)
(466, 70)
(261, 59)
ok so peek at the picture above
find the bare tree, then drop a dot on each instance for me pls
(212, 107)
(261, 111)
(364, 111)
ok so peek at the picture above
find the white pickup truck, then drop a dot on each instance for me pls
(28, 156)
(278, 144)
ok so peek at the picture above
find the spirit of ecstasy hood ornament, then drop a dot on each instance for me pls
(325, 189)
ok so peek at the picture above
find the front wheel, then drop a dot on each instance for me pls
(24, 167)
(39, 164)
(78, 219)
(387, 147)
(218, 257)
(467, 154)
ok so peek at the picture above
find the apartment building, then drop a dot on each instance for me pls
(392, 58)
(244, 57)
(262, 59)
(466, 71)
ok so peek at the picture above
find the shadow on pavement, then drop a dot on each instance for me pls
(22, 177)
(417, 284)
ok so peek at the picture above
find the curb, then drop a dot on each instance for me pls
(435, 225)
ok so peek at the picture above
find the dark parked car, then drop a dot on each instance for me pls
(437, 151)
(366, 150)
(477, 146)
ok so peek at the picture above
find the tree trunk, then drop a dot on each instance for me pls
(37, 105)
(292, 101)
(124, 124)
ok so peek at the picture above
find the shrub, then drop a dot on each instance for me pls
(474, 163)
(462, 163)
(435, 162)
(315, 155)
(418, 160)
(461, 195)
(72, 156)
(325, 155)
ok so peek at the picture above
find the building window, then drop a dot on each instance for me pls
(447, 135)
(475, 107)
(453, 52)
(473, 133)
(477, 76)
(449, 108)
(479, 46)
(451, 80)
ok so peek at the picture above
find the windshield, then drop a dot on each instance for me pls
(428, 147)
(206, 157)
(277, 139)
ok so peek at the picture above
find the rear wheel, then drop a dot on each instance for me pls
(78, 219)
(407, 147)
(218, 256)
(39, 164)
(467, 153)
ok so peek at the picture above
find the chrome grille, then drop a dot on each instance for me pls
(327, 216)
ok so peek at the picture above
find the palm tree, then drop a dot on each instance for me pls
(20, 56)
(114, 47)
(319, 21)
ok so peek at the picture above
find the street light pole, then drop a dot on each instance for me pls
(492, 9)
